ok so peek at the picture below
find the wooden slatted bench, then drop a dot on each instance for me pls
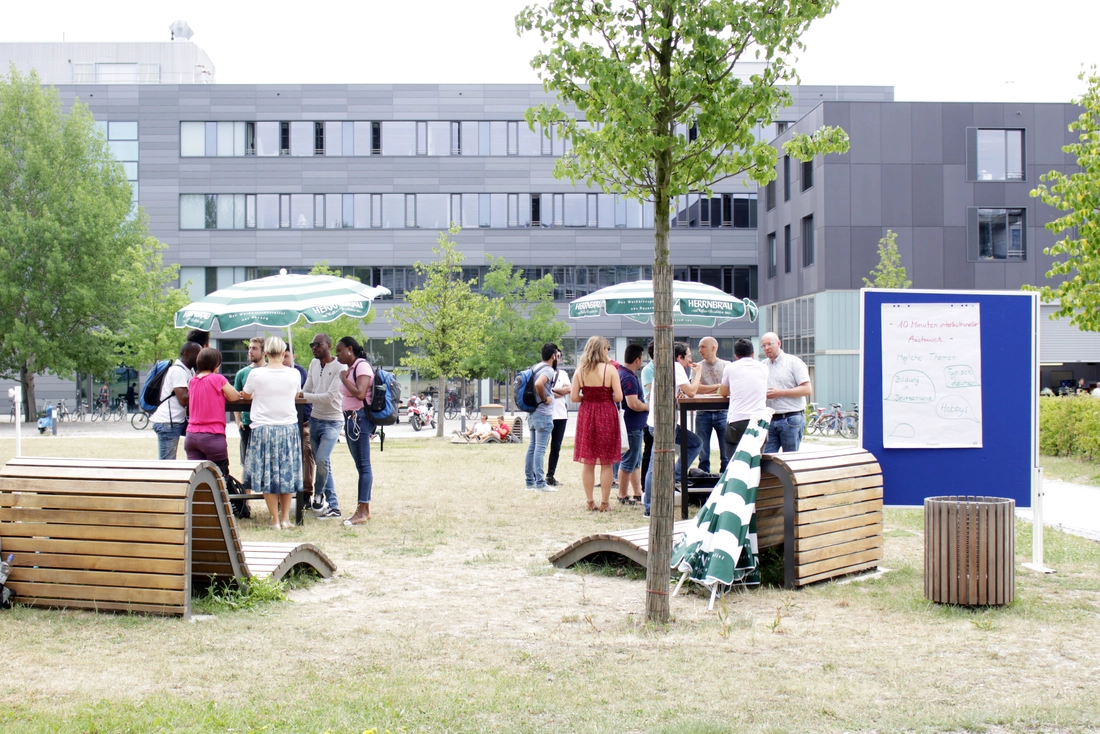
(128, 536)
(824, 508)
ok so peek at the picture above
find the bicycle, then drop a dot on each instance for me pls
(451, 406)
(118, 412)
(102, 412)
(813, 418)
(81, 411)
(850, 426)
(829, 423)
(62, 411)
(140, 420)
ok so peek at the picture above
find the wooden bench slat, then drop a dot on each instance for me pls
(106, 606)
(92, 547)
(833, 513)
(840, 549)
(114, 504)
(77, 487)
(77, 517)
(843, 498)
(846, 523)
(820, 541)
(827, 475)
(99, 563)
(102, 473)
(837, 562)
(93, 532)
(82, 577)
(836, 572)
(99, 593)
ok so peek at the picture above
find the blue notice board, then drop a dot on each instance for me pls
(1004, 464)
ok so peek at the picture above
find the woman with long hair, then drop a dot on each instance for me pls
(596, 387)
(274, 457)
(206, 395)
(356, 382)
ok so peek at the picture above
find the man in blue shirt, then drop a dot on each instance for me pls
(635, 412)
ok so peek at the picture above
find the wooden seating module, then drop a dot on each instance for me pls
(632, 544)
(127, 536)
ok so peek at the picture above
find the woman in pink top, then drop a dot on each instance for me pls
(207, 393)
(356, 382)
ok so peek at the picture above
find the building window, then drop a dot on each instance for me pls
(807, 174)
(769, 196)
(771, 255)
(807, 241)
(794, 323)
(995, 155)
(996, 234)
(786, 178)
(787, 249)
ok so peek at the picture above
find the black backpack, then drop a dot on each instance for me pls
(240, 507)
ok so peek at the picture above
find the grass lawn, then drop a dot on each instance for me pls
(445, 616)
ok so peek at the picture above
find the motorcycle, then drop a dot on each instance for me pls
(420, 415)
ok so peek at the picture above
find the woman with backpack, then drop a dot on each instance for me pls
(275, 450)
(356, 383)
(206, 395)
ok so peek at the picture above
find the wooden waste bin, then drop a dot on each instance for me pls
(970, 550)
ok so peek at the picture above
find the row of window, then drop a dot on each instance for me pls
(437, 211)
(365, 138)
(570, 281)
(807, 182)
(807, 247)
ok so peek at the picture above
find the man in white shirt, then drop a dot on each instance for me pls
(170, 418)
(681, 364)
(322, 390)
(788, 388)
(745, 381)
(561, 389)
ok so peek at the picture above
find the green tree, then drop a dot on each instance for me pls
(639, 72)
(71, 247)
(521, 316)
(149, 331)
(889, 273)
(1077, 196)
(443, 321)
(303, 332)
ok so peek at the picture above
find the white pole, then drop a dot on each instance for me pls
(16, 394)
(1037, 525)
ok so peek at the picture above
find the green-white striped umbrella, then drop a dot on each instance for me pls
(279, 301)
(693, 304)
(720, 549)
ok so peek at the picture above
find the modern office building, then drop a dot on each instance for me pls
(953, 181)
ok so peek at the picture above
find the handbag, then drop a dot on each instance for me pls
(624, 438)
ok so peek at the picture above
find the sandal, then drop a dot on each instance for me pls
(591, 506)
(625, 501)
(352, 521)
(604, 507)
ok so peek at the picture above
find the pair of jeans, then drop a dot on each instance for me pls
(168, 439)
(357, 429)
(322, 440)
(693, 446)
(632, 459)
(706, 423)
(785, 433)
(555, 446)
(540, 427)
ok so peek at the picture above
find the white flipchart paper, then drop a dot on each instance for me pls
(931, 375)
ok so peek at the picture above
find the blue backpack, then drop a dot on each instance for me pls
(149, 397)
(527, 398)
(384, 399)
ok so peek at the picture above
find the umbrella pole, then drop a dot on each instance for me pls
(713, 594)
(680, 583)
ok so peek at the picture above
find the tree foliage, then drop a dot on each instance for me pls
(149, 332)
(74, 259)
(520, 317)
(889, 273)
(303, 332)
(1077, 196)
(443, 321)
(638, 73)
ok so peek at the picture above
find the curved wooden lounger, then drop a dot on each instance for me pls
(277, 559)
(130, 536)
(632, 544)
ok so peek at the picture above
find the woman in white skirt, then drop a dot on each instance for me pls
(274, 460)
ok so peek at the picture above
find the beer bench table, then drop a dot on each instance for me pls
(129, 536)
(824, 508)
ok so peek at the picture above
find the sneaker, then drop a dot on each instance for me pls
(546, 488)
(615, 485)
(318, 504)
(329, 513)
(531, 488)
(550, 481)
(645, 513)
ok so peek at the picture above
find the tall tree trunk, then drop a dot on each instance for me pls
(441, 400)
(663, 405)
(26, 379)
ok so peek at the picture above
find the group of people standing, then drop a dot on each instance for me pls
(280, 448)
(602, 386)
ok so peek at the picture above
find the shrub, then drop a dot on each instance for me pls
(1069, 426)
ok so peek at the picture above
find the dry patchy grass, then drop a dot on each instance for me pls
(445, 616)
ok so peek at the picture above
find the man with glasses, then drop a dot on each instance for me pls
(682, 363)
(788, 388)
(322, 390)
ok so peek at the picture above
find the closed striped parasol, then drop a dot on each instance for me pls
(693, 304)
(279, 301)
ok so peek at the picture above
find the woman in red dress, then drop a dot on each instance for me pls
(596, 387)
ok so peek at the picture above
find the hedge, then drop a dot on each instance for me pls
(1069, 426)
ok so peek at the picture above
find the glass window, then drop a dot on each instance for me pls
(439, 138)
(484, 212)
(469, 138)
(250, 211)
(1000, 234)
(498, 139)
(807, 174)
(522, 207)
(267, 138)
(769, 195)
(786, 178)
(376, 210)
(421, 138)
(240, 135)
(267, 211)
(192, 211)
(456, 208)
(807, 241)
(301, 138)
(348, 147)
(122, 131)
(124, 150)
(192, 139)
(771, 255)
(319, 211)
(211, 139)
(498, 218)
(341, 211)
(433, 211)
(559, 210)
(393, 211)
(410, 210)
(470, 210)
(284, 210)
(456, 138)
(225, 139)
(362, 138)
(334, 138)
(398, 138)
(131, 169)
(996, 155)
(210, 213)
(576, 210)
(513, 138)
(787, 249)
(225, 211)
(301, 211)
(362, 211)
